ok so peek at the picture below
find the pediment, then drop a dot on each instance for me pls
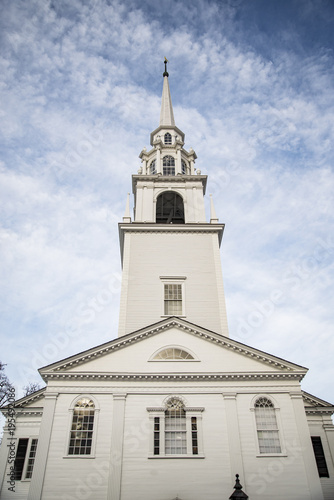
(316, 405)
(215, 356)
(31, 404)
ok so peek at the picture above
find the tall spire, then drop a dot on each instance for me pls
(166, 114)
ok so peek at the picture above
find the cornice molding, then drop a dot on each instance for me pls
(168, 377)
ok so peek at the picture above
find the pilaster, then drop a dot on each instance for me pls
(233, 433)
(37, 480)
(116, 455)
(306, 444)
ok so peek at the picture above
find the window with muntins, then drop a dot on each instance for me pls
(184, 167)
(173, 353)
(25, 458)
(81, 434)
(319, 456)
(266, 425)
(168, 138)
(168, 164)
(172, 299)
(176, 430)
(153, 168)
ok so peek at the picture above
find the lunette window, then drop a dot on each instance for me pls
(266, 425)
(25, 458)
(81, 434)
(173, 353)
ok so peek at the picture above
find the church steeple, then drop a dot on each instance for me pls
(169, 247)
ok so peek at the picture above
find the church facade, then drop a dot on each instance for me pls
(173, 408)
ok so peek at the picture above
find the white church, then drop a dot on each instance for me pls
(173, 408)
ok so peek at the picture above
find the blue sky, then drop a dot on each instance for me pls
(252, 88)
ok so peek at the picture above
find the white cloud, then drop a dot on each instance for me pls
(80, 85)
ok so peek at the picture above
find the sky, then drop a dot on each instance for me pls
(80, 90)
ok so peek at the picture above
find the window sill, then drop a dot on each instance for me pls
(177, 456)
(79, 456)
(266, 455)
(173, 316)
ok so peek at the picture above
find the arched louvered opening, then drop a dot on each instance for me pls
(170, 209)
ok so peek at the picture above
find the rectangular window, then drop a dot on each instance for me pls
(194, 440)
(175, 432)
(31, 459)
(20, 458)
(319, 456)
(81, 432)
(25, 458)
(168, 170)
(172, 299)
(267, 431)
(156, 447)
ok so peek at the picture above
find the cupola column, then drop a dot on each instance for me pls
(158, 162)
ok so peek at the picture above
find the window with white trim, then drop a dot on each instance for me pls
(25, 458)
(81, 434)
(176, 430)
(266, 426)
(168, 164)
(172, 299)
(184, 167)
(168, 138)
(173, 354)
(152, 167)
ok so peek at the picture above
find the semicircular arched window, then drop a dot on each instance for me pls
(81, 435)
(168, 164)
(173, 353)
(266, 426)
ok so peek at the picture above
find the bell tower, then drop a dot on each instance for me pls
(170, 254)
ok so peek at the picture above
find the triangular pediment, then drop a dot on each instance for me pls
(215, 356)
(31, 404)
(316, 405)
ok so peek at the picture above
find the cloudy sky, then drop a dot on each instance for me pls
(252, 88)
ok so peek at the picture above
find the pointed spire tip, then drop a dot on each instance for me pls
(165, 72)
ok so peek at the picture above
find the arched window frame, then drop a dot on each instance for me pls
(277, 431)
(71, 410)
(178, 194)
(168, 139)
(191, 356)
(168, 165)
(164, 435)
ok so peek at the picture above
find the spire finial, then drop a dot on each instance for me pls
(165, 72)
(238, 493)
